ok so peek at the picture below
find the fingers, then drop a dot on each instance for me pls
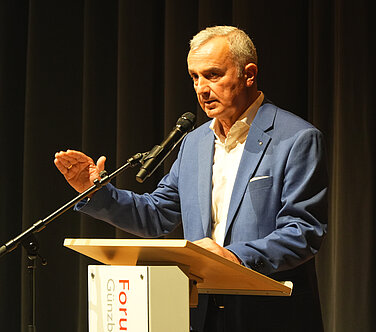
(60, 166)
(69, 159)
(207, 243)
(215, 248)
(100, 163)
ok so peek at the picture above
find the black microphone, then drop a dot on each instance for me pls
(159, 152)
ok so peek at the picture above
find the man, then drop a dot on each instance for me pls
(250, 185)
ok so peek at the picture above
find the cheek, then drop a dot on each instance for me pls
(226, 89)
(220, 91)
(233, 92)
(227, 94)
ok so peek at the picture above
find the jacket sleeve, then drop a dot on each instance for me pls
(146, 215)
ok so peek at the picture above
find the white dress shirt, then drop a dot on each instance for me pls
(227, 154)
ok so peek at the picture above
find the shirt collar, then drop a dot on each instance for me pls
(239, 131)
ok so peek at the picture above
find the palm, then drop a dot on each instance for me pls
(78, 169)
(83, 177)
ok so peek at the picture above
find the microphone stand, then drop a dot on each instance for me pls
(30, 243)
(32, 247)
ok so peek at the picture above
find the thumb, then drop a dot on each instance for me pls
(100, 163)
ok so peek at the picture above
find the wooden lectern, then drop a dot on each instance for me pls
(166, 275)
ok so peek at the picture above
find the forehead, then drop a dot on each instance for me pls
(215, 52)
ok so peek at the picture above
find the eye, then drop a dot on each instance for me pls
(213, 75)
(194, 77)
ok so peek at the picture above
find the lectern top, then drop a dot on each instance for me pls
(214, 273)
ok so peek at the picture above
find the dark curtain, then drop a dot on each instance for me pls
(110, 78)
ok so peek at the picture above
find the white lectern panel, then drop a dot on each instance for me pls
(138, 298)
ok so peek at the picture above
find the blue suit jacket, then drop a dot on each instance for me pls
(277, 216)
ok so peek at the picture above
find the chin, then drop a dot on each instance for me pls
(213, 113)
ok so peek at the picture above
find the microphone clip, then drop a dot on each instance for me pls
(138, 158)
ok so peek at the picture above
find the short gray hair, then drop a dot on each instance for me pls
(241, 46)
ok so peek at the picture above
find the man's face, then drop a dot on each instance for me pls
(221, 92)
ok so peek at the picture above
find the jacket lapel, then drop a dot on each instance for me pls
(205, 166)
(254, 149)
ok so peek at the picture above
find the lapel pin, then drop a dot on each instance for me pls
(259, 142)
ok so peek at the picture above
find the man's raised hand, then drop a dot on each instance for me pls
(78, 169)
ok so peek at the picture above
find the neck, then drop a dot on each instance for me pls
(226, 124)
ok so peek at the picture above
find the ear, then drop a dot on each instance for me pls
(250, 73)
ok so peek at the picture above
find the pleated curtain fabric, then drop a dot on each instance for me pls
(110, 78)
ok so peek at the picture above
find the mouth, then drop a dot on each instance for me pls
(210, 103)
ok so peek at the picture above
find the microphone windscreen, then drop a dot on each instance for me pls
(186, 121)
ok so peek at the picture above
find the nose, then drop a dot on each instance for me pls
(201, 86)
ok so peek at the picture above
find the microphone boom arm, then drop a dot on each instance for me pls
(41, 224)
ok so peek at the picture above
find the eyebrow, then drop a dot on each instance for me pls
(207, 70)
